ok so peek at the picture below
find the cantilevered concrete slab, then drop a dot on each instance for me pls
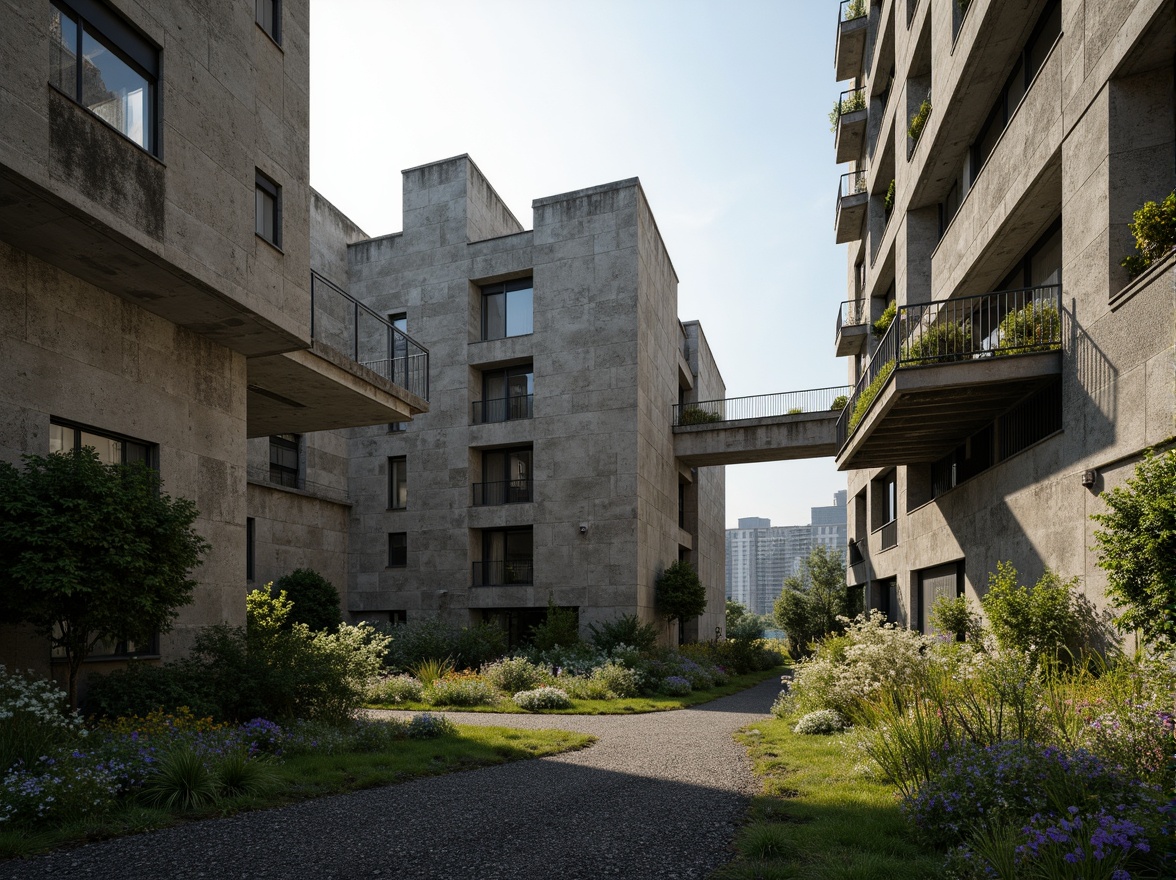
(775, 438)
(319, 389)
(924, 412)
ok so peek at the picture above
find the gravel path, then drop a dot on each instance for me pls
(659, 795)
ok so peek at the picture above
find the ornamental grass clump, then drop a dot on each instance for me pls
(541, 698)
(461, 689)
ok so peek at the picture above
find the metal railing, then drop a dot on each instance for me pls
(502, 573)
(503, 492)
(763, 406)
(850, 10)
(855, 553)
(852, 183)
(503, 409)
(968, 328)
(345, 324)
(853, 313)
(851, 100)
(889, 534)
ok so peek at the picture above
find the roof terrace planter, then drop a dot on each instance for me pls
(852, 23)
(852, 201)
(850, 124)
(943, 370)
(853, 327)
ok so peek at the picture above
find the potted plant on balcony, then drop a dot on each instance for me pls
(695, 415)
(919, 120)
(855, 100)
(1036, 326)
(1154, 228)
(940, 342)
(879, 327)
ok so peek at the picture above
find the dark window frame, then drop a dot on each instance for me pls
(275, 6)
(397, 478)
(397, 550)
(250, 549)
(280, 473)
(265, 184)
(504, 289)
(509, 408)
(129, 45)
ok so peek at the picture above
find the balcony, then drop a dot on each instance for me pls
(852, 200)
(853, 327)
(852, 21)
(503, 492)
(499, 573)
(944, 370)
(359, 370)
(851, 125)
(503, 409)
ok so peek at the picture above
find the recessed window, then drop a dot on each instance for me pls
(506, 395)
(250, 547)
(111, 448)
(398, 549)
(506, 477)
(398, 483)
(269, 17)
(507, 309)
(268, 210)
(284, 460)
(117, 78)
(508, 557)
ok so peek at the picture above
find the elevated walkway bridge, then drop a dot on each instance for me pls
(769, 427)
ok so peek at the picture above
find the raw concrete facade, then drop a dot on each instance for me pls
(139, 301)
(1050, 123)
(595, 503)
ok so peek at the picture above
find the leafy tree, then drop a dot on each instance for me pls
(1154, 228)
(1137, 548)
(561, 628)
(809, 605)
(90, 552)
(315, 599)
(1047, 620)
(680, 594)
(735, 611)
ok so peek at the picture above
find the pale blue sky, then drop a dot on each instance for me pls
(719, 107)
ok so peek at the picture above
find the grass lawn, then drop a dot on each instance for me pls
(310, 776)
(619, 706)
(819, 820)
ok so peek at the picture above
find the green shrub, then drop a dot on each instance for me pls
(675, 686)
(315, 599)
(820, 723)
(680, 595)
(1154, 228)
(888, 199)
(435, 639)
(839, 402)
(868, 394)
(542, 698)
(397, 689)
(919, 120)
(625, 630)
(141, 688)
(855, 100)
(430, 726)
(695, 415)
(514, 674)
(461, 690)
(942, 342)
(958, 617)
(35, 719)
(1137, 548)
(1044, 621)
(237, 773)
(580, 687)
(561, 628)
(879, 327)
(1035, 326)
(619, 680)
(810, 605)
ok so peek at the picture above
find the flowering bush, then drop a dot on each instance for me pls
(34, 719)
(514, 674)
(429, 726)
(461, 689)
(823, 721)
(161, 723)
(53, 790)
(397, 689)
(618, 680)
(675, 686)
(542, 698)
(580, 687)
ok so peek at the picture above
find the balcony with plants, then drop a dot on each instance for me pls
(853, 198)
(853, 327)
(942, 370)
(852, 24)
(848, 122)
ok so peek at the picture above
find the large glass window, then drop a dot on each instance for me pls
(268, 210)
(507, 309)
(107, 67)
(398, 483)
(506, 395)
(284, 460)
(111, 449)
(269, 18)
(507, 558)
(506, 477)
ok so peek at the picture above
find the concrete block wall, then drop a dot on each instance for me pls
(1094, 138)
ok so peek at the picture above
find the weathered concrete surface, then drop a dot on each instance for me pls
(775, 438)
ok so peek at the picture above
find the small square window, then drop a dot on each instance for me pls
(269, 18)
(398, 549)
(268, 210)
(507, 309)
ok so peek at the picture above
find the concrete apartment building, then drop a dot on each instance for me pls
(760, 556)
(1024, 371)
(155, 283)
(545, 467)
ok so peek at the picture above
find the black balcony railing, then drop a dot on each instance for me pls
(503, 409)
(345, 324)
(851, 9)
(763, 406)
(889, 534)
(501, 573)
(855, 553)
(852, 183)
(853, 313)
(503, 492)
(851, 100)
(969, 328)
